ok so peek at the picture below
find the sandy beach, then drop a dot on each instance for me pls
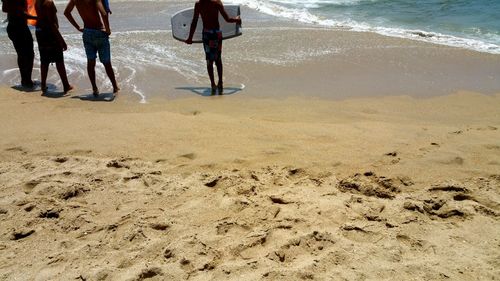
(342, 156)
(232, 188)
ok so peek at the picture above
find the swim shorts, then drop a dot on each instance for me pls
(50, 51)
(212, 43)
(96, 42)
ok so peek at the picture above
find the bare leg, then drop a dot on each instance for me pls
(220, 85)
(91, 72)
(210, 69)
(44, 69)
(61, 69)
(111, 75)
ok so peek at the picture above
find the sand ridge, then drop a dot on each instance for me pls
(81, 217)
(236, 188)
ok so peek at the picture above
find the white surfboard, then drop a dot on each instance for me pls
(181, 24)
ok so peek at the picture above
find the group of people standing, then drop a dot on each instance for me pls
(51, 44)
(96, 31)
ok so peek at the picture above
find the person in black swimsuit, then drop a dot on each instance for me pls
(51, 44)
(20, 35)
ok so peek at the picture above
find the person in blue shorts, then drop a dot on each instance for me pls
(212, 36)
(96, 33)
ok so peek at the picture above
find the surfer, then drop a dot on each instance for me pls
(20, 35)
(212, 36)
(51, 44)
(96, 33)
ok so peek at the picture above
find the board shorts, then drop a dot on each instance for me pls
(212, 43)
(50, 51)
(96, 42)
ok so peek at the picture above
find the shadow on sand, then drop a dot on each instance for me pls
(35, 88)
(103, 97)
(52, 92)
(55, 95)
(207, 92)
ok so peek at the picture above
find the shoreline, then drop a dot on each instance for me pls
(325, 63)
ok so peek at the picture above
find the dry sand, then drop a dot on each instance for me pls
(238, 188)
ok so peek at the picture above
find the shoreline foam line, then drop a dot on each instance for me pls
(306, 17)
(135, 89)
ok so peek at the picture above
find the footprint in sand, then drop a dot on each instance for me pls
(487, 128)
(190, 156)
(117, 164)
(452, 161)
(311, 245)
(61, 160)
(16, 149)
(359, 234)
(21, 234)
(492, 146)
(369, 184)
(49, 214)
(225, 227)
(81, 152)
(30, 185)
(148, 273)
(411, 242)
(447, 201)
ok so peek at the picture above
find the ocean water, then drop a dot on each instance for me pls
(471, 24)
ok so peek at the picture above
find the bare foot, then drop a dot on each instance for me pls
(95, 92)
(116, 90)
(68, 89)
(44, 90)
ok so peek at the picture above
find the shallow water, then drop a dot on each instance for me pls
(471, 24)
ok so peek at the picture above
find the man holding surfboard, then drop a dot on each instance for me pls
(20, 35)
(96, 33)
(212, 36)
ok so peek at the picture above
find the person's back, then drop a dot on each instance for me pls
(95, 37)
(89, 13)
(51, 44)
(15, 10)
(46, 14)
(209, 11)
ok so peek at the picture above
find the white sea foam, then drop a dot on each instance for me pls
(301, 14)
